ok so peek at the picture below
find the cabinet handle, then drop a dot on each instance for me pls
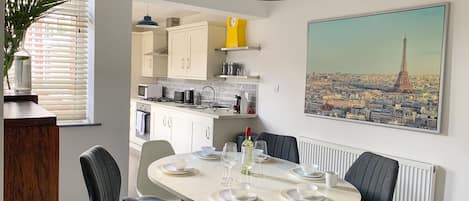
(207, 133)
(188, 63)
(183, 63)
(170, 122)
(164, 121)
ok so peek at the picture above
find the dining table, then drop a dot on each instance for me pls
(269, 182)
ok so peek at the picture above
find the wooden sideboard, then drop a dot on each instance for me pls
(31, 151)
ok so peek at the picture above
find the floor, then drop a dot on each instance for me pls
(134, 157)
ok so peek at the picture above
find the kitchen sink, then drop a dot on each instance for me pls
(200, 107)
(219, 106)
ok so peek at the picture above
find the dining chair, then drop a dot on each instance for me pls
(374, 176)
(102, 176)
(152, 151)
(281, 146)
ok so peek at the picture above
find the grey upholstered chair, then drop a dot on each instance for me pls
(281, 146)
(152, 151)
(374, 176)
(103, 177)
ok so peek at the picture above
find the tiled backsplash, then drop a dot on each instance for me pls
(225, 91)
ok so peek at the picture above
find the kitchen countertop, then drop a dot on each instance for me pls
(220, 113)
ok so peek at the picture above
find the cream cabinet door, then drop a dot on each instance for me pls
(147, 61)
(177, 52)
(202, 134)
(197, 58)
(181, 133)
(162, 126)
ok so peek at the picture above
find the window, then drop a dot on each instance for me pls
(58, 44)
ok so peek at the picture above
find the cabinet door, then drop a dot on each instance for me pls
(202, 134)
(177, 52)
(181, 133)
(162, 126)
(197, 62)
(147, 61)
(147, 67)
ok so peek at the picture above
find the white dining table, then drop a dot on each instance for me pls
(205, 183)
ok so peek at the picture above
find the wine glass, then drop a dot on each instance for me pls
(230, 158)
(260, 150)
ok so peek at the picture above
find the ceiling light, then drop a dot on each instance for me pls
(147, 22)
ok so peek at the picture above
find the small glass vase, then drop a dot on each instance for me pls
(22, 64)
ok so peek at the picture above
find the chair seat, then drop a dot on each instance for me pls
(145, 198)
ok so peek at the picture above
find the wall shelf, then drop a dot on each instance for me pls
(247, 48)
(241, 77)
(156, 54)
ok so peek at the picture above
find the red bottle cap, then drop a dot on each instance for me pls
(248, 131)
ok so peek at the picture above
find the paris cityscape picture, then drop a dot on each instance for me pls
(384, 69)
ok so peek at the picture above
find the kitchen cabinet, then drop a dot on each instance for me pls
(189, 132)
(191, 51)
(146, 53)
(173, 127)
(202, 133)
(162, 124)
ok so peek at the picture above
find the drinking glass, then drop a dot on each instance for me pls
(229, 158)
(261, 146)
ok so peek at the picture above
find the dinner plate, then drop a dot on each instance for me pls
(293, 195)
(171, 169)
(226, 195)
(203, 156)
(316, 176)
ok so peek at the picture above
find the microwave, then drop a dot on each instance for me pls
(147, 91)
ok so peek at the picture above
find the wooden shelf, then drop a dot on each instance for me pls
(156, 54)
(245, 77)
(225, 49)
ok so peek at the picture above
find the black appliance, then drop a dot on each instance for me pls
(189, 96)
(179, 97)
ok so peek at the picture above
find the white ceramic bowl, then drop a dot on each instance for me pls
(179, 165)
(240, 191)
(208, 150)
(309, 169)
(306, 190)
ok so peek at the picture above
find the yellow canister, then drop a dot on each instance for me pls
(236, 32)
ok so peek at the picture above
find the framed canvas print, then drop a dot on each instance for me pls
(381, 68)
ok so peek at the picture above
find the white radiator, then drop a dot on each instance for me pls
(416, 180)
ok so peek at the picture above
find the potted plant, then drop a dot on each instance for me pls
(19, 16)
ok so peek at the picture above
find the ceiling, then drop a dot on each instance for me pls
(158, 12)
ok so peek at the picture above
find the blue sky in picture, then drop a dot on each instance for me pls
(373, 44)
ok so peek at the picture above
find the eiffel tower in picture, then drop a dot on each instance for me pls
(403, 83)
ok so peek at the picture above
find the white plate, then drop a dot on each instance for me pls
(226, 195)
(293, 195)
(201, 155)
(171, 169)
(316, 176)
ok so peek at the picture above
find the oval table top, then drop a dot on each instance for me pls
(205, 183)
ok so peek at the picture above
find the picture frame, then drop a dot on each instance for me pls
(354, 75)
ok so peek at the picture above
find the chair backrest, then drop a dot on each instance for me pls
(281, 146)
(152, 151)
(101, 173)
(374, 176)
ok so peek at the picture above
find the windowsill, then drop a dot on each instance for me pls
(77, 124)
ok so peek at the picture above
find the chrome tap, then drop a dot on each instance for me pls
(213, 97)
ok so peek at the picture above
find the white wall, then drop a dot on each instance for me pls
(283, 61)
(111, 100)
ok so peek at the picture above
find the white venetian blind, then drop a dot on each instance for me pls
(58, 44)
